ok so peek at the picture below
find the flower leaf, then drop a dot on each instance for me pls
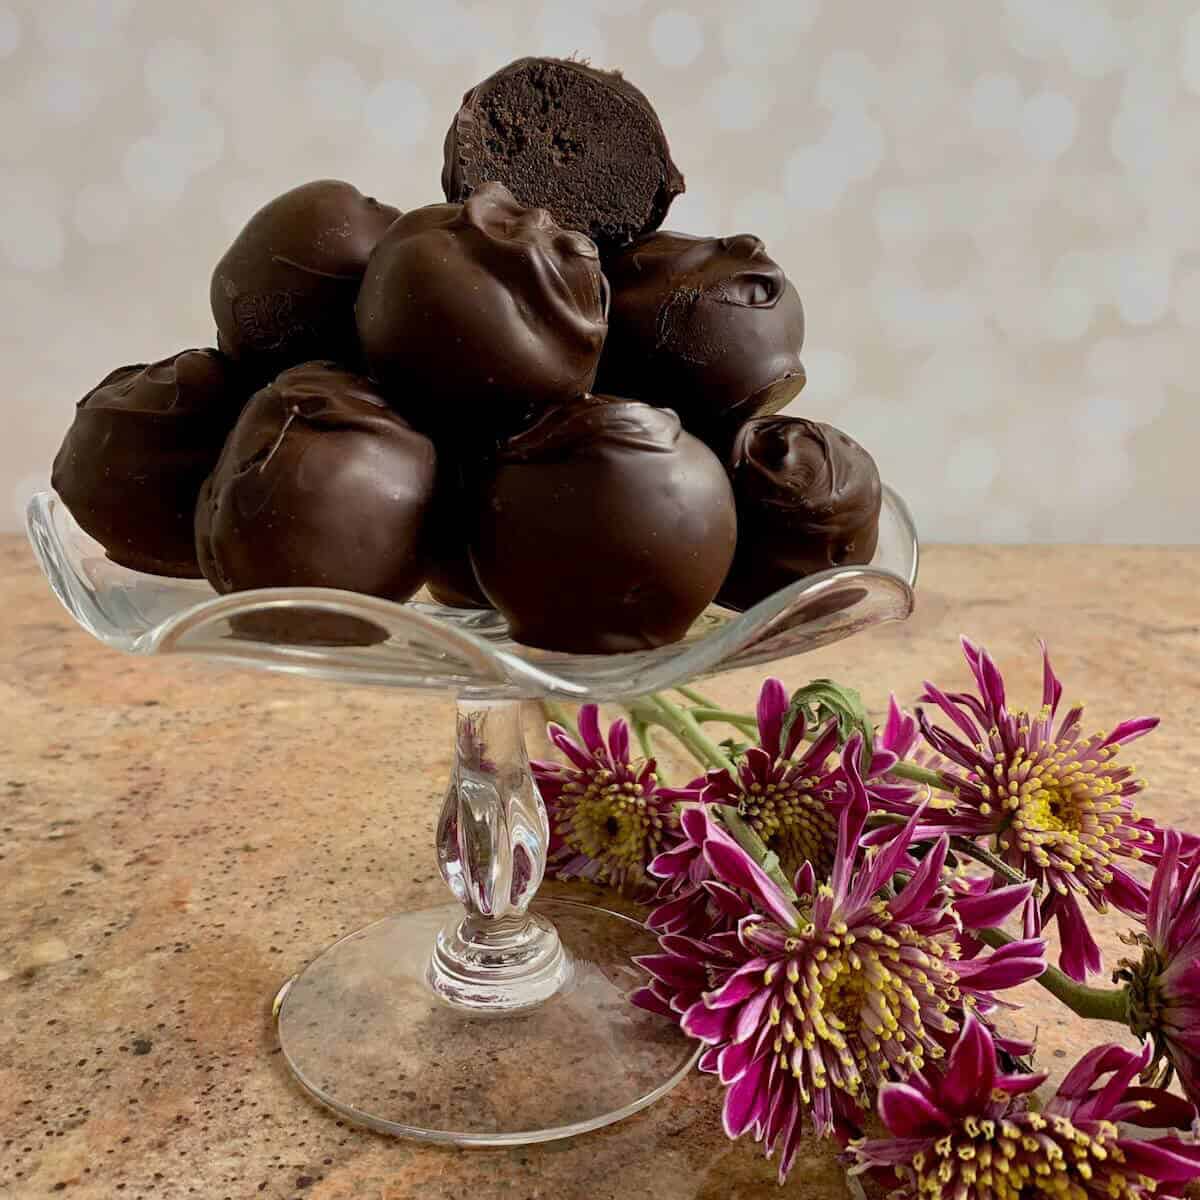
(818, 701)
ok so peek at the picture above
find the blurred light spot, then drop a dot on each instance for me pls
(995, 102)
(10, 31)
(676, 38)
(177, 72)
(972, 465)
(335, 90)
(759, 32)
(847, 78)
(1048, 124)
(739, 100)
(102, 212)
(1187, 300)
(397, 113)
(1189, 64)
(31, 236)
(901, 216)
(1143, 286)
(66, 94)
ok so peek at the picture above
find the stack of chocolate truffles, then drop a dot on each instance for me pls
(527, 396)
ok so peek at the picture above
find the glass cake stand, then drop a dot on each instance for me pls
(498, 1019)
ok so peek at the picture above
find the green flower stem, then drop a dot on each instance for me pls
(741, 721)
(907, 770)
(658, 710)
(753, 845)
(970, 849)
(696, 698)
(642, 732)
(1097, 1004)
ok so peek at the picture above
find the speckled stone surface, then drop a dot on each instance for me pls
(176, 839)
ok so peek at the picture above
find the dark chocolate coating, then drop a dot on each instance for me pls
(808, 499)
(451, 577)
(284, 291)
(710, 327)
(476, 317)
(320, 485)
(604, 528)
(141, 445)
(583, 143)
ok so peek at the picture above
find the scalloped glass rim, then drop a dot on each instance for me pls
(431, 646)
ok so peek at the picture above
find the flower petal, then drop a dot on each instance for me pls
(908, 1114)
(970, 1070)
(772, 706)
(1079, 953)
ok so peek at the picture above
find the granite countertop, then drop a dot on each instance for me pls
(177, 839)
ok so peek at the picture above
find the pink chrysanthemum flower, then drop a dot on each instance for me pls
(1164, 987)
(1052, 802)
(809, 1004)
(608, 815)
(792, 802)
(970, 1134)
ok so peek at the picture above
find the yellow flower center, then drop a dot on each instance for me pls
(1020, 1159)
(793, 822)
(1064, 810)
(857, 1006)
(610, 821)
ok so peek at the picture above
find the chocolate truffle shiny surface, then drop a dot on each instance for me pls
(284, 292)
(476, 317)
(141, 445)
(604, 528)
(710, 327)
(585, 144)
(319, 485)
(808, 499)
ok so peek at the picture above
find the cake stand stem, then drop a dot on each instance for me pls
(492, 839)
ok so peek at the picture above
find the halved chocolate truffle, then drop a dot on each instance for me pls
(141, 445)
(710, 327)
(604, 528)
(808, 499)
(562, 135)
(319, 485)
(476, 317)
(284, 291)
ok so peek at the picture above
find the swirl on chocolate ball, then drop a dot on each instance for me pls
(141, 445)
(604, 528)
(710, 327)
(319, 485)
(808, 499)
(481, 315)
(585, 144)
(284, 291)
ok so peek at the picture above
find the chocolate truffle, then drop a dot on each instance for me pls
(583, 143)
(808, 499)
(476, 317)
(710, 327)
(142, 443)
(320, 485)
(604, 528)
(284, 291)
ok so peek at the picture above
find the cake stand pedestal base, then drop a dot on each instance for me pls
(365, 1033)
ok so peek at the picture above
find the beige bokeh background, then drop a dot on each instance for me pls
(991, 210)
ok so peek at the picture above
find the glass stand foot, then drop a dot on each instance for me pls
(364, 1031)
